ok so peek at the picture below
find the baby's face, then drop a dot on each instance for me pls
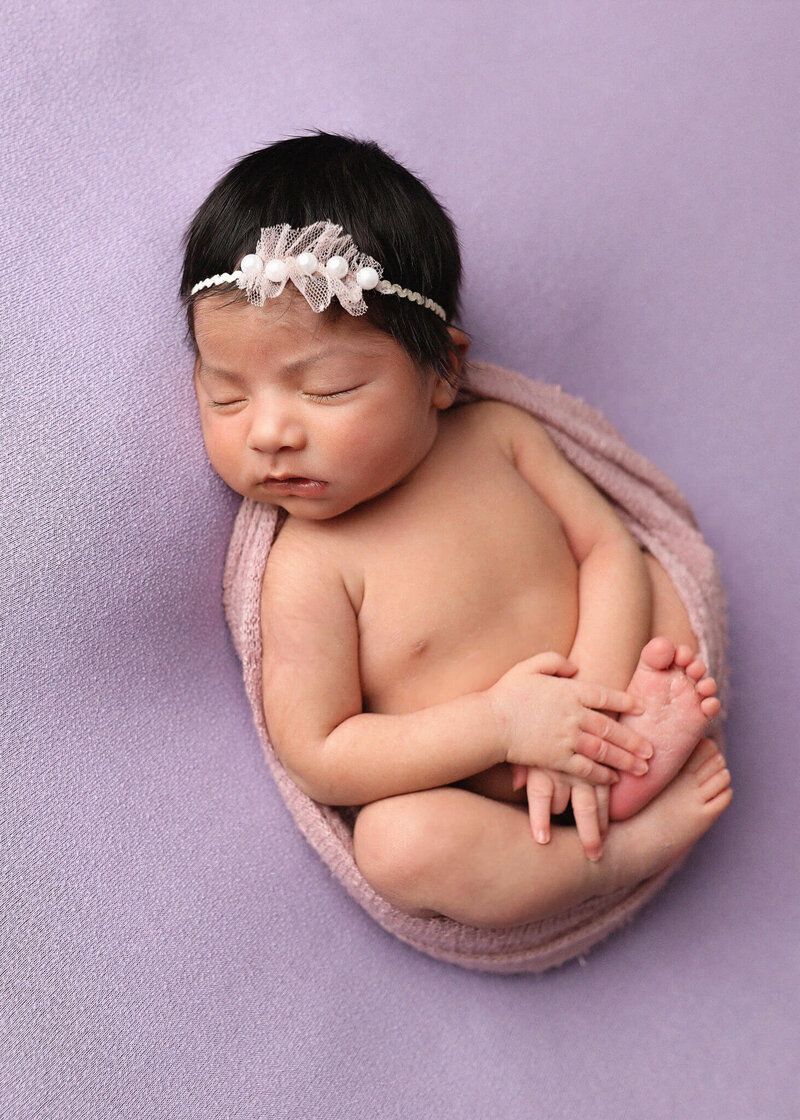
(336, 409)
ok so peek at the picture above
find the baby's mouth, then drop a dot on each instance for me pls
(272, 478)
(295, 484)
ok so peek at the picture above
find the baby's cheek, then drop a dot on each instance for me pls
(362, 449)
(226, 458)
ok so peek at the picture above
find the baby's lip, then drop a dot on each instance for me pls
(293, 484)
(289, 477)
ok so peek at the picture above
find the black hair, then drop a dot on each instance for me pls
(390, 214)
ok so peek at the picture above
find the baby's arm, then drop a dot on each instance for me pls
(614, 593)
(613, 583)
(340, 755)
(335, 752)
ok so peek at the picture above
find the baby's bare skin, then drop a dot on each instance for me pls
(441, 610)
(440, 614)
(472, 858)
(436, 568)
(679, 702)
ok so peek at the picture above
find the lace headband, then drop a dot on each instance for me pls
(321, 261)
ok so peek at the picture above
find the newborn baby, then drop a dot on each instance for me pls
(449, 604)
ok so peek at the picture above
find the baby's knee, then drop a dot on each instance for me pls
(393, 844)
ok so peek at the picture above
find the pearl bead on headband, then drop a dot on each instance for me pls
(321, 261)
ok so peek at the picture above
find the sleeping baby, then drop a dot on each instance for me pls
(460, 635)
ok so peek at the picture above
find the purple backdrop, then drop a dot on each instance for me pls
(624, 177)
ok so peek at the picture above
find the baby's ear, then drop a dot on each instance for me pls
(460, 339)
(443, 393)
(461, 344)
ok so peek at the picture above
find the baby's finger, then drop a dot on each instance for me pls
(600, 750)
(628, 739)
(562, 793)
(602, 793)
(614, 732)
(608, 699)
(587, 820)
(580, 766)
(519, 775)
(540, 798)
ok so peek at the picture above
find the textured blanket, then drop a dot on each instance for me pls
(657, 515)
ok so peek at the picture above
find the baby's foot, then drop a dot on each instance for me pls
(672, 822)
(679, 704)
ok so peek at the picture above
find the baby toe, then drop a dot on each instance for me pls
(658, 653)
(716, 781)
(710, 707)
(695, 669)
(707, 687)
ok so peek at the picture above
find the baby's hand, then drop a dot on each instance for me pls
(549, 791)
(549, 721)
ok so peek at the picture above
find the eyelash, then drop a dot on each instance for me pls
(311, 396)
(329, 396)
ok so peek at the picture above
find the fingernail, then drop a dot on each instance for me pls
(542, 837)
(641, 768)
(646, 752)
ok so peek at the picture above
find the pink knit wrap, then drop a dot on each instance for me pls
(661, 520)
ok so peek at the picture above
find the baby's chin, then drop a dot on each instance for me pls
(302, 509)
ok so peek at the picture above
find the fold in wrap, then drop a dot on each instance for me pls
(658, 516)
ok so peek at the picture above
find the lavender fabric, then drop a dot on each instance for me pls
(625, 179)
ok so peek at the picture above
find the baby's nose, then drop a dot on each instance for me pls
(273, 430)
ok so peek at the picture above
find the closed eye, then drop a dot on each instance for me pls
(310, 396)
(331, 396)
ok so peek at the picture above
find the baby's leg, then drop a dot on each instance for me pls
(450, 851)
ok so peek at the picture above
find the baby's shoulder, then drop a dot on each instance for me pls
(501, 421)
(302, 541)
(491, 411)
(306, 551)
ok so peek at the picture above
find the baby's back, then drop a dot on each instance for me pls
(456, 574)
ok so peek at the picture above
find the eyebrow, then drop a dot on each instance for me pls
(290, 367)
